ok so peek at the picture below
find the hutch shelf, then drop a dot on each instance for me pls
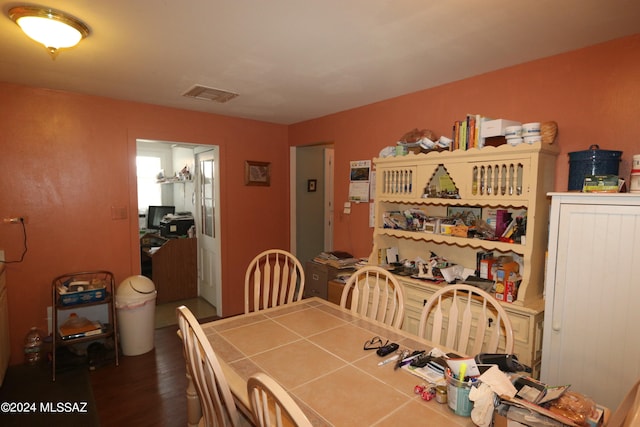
(514, 178)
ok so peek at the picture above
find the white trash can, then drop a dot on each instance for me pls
(135, 308)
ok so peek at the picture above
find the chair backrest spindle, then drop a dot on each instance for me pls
(274, 277)
(271, 405)
(375, 294)
(470, 315)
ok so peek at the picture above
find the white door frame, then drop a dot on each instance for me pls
(328, 199)
(292, 200)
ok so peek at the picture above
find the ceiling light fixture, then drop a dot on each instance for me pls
(54, 29)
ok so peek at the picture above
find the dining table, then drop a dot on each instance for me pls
(315, 350)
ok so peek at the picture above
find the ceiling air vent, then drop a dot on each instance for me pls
(209, 94)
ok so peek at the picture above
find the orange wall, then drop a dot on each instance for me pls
(67, 159)
(593, 94)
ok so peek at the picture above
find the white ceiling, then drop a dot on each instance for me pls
(293, 60)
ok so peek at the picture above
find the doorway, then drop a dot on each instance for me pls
(198, 194)
(312, 200)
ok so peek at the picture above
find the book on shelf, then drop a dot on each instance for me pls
(455, 135)
(503, 218)
(471, 131)
(517, 219)
(463, 135)
(467, 133)
(479, 139)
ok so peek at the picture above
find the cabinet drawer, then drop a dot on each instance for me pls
(315, 285)
(521, 328)
(416, 296)
(316, 277)
(411, 320)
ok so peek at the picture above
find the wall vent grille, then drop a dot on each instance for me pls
(209, 94)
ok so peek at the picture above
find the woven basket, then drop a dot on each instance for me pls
(548, 132)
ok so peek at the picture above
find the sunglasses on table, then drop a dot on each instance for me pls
(375, 343)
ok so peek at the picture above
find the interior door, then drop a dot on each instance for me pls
(313, 201)
(208, 228)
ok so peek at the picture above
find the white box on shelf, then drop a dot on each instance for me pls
(496, 127)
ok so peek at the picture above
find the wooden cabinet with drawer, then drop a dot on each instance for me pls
(316, 276)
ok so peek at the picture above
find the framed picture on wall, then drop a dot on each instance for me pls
(257, 173)
(311, 185)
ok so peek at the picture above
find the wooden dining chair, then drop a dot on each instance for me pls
(274, 277)
(473, 321)
(216, 400)
(375, 293)
(272, 405)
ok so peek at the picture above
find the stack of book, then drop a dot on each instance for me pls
(467, 132)
(336, 259)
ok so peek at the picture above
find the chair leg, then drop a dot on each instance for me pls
(194, 411)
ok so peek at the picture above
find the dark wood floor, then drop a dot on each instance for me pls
(145, 390)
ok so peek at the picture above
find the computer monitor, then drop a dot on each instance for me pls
(155, 215)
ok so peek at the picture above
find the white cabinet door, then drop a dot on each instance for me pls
(591, 338)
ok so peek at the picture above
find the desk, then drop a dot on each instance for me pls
(173, 266)
(313, 348)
